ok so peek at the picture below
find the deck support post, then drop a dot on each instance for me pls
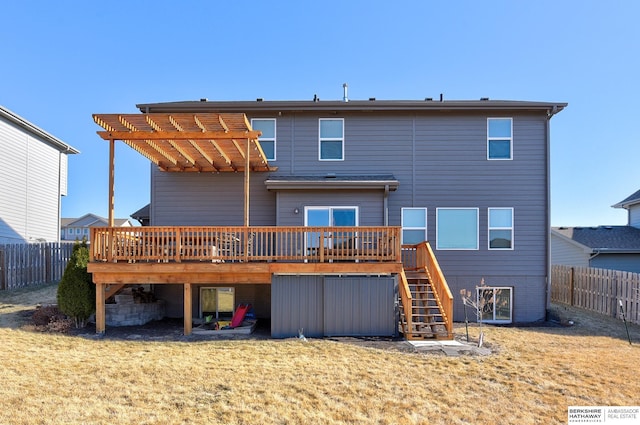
(188, 309)
(100, 308)
(246, 184)
(112, 155)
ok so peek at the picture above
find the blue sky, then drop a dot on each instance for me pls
(62, 61)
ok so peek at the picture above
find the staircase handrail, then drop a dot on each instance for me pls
(420, 257)
(407, 302)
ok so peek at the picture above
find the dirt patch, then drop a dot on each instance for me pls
(17, 306)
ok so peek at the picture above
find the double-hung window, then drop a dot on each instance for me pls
(457, 228)
(414, 225)
(268, 138)
(499, 138)
(331, 139)
(500, 228)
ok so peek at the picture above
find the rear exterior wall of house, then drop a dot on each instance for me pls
(441, 162)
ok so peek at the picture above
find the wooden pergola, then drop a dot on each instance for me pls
(187, 142)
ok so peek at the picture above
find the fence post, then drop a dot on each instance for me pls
(571, 285)
(3, 271)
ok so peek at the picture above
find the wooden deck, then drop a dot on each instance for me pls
(191, 255)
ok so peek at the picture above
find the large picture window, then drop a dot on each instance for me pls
(500, 228)
(268, 138)
(499, 138)
(331, 140)
(457, 228)
(414, 225)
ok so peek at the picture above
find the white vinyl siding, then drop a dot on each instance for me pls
(30, 189)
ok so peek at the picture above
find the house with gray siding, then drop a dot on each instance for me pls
(33, 180)
(604, 247)
(469, 177)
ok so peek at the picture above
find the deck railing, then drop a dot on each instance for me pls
(421, 257)
(229, 244)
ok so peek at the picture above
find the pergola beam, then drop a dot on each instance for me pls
(179, 135)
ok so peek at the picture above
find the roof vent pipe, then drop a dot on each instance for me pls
(345, 98)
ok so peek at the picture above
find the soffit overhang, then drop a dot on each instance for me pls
(332, 182)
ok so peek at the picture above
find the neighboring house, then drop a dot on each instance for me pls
(142, 215)
(470, 177)
(75, 229)
(33, 178)
(605, 247)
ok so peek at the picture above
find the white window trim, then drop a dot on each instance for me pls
(510, 139)
(330, 208)
(510, 289)
(477, 210)
(489, 229)
(269, 139)
(413, 228)
(330, 139)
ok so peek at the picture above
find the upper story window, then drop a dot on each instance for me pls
(500, 228)
(414, 225)
(499, 138)
(331, 140)
(268, 139)
(457, 228)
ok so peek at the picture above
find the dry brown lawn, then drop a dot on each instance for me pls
(533, 375)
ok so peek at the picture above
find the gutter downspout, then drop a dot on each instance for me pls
(550, 114)
(385, 205)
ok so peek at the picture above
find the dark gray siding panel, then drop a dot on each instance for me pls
(207, 199)
(370, 204)
(451, 170)
(360, 306)
(624, 262)
(296, 304)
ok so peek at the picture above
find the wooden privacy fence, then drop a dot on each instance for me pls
(31, 264)
(598, 290)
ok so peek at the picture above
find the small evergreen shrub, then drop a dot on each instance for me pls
(76, 291)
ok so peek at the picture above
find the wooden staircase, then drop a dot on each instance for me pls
(428, 318)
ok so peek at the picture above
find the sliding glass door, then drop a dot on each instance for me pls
(329, 216)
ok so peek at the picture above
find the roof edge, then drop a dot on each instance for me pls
(32, 128)
(352, 105)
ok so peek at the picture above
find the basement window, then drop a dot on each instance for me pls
(217, 302)
(495, 303)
